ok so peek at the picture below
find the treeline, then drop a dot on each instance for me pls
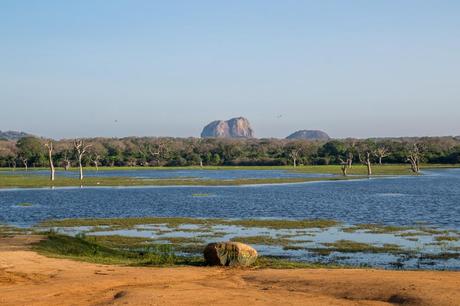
(170, 152)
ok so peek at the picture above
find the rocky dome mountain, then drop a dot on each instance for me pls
(309, 135)
(233, 128)
(13, 135)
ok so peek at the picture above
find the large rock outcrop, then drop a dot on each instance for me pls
(233, 128)
(232, 254)
(309, 135)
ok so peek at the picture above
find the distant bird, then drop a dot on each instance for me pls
(116, 120)
(279, 116)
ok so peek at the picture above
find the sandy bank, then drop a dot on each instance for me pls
(27, 278)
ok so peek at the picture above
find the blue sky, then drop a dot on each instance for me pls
(167, 68)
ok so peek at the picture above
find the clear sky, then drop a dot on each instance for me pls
(167, 68)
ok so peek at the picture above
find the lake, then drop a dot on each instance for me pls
(426, 202)
(433, 198)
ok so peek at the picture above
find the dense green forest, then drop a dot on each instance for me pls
(169, 152)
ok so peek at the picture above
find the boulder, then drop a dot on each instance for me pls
(232, 254)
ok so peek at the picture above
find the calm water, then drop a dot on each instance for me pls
(433, 198)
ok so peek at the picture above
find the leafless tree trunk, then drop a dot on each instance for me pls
(49, 146)
(366, 160)
(24, 162)
(294, 156)
(13, 164)
(381, 152)
(413, 157)
(66, 162)
(81, 149)
(344, 165)
(95, 160)
(349, 160)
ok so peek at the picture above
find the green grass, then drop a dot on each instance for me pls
(22, 180)
(177, 221)
(375, 228)
(37, 181)
(263, 240)
(97, 250)
(446, 238)
(25, 204)
(91, 250)
(9, 231)
(312, 168)
(349, 246)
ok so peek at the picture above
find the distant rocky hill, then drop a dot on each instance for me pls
(13, 135)
(309, 135)
(233, 128)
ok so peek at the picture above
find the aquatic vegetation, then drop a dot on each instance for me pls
(181, 240)
(446, 238)
(375, 228)
(9, 231)
(175, 222)
(264, 240)
(25, 204)
(348, 246)
(283, 224)
(117, 241)
(37, 181)
(87, 249)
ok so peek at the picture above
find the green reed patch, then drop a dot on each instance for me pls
(175, 222)
(25, 204)
(262, 240)
(349, 246)
(375, 228)
(446, 238)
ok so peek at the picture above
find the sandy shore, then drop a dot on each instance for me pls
(27, 278)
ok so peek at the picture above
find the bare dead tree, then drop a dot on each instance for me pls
(66, 161)
(49, 146)
(365, 159)
(413, 157)
(294, 155)
(349, 160)
(381, 152)
(344, 166)
(81, 149)
(24, 162)
(95, 158)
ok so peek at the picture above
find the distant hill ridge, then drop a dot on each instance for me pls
(13, 135)
(309, 135)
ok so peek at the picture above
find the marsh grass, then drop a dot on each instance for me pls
(127, 223)
(446, 238)
(9, 231)
(375, 228)
(262, 240)
(25, 204)
(349, 246)
(23, 179)
(38, 181)
(87, 249)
